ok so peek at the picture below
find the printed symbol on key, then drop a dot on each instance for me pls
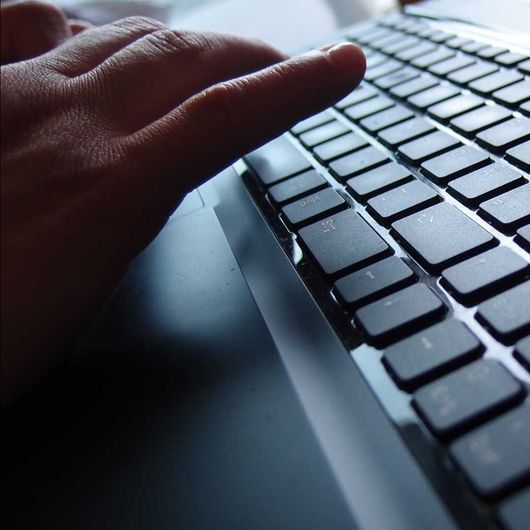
(328, 225)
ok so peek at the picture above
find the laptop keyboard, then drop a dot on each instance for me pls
(407, 205)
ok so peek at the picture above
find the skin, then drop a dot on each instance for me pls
(102, 134)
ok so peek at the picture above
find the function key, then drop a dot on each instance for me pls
(505, 135)
(479, 119)
(427, 146)
(508, 211)
(360, 94)
(313, 121)
(405, 132)
(510, 58)
(490, 52)
(357, 162)
(339, 146)
(492, 82)
(522, 352)
(313, 207)
(321, 134)
(378, 180)
(295, 187)
(520, 155)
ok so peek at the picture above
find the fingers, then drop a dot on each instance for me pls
(31, 28)
(166, 67)
(221, 124)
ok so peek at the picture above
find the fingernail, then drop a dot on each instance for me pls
(347, 58)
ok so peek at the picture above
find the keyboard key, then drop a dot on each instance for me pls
(491, 51)
(470, 73)
(479, 119)
(510, 58)
(413, 87)
(505, 135)
(386, 118)
(343, 241)
(441, 36)
(457, 42)
(441, 54)
(405, 132)
(339, 146)
(525, 108)
(402, 201)
(386, 40)
(450, 65)
(520, 155)
(524, 66)
(428, 146)
(313, 121)
(378, 180)
(314, 206)
(455, 106)
(295, 187)
(357, 162)
(514, 94)
(467, 397)
(508, 211)
(416, 51)
(484, 275)
(523, 237)
(409, 309)
(522, 352)
(373, 282)
(433, 95)
(360, 94)
(507, 315)
(485, 183)
(383, 69)
(492, 82)
(323, 133)
(431, 353)
(454, 163)
(402, 44)
(441, 235)
(366, 108)
(496, 456)
(396, 78)
(515, 512)
(473, 47)
(375, 60)
(277, 160)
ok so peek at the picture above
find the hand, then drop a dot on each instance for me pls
(102, 137)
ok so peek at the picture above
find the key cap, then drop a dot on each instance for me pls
(295, 187)
(507, 315)
(508, 211)
(396, 78)
(375, 60)
(523, 237)
(313, 121)
(520, 155)
(402, 44)
(416, 51)
(470, 73)
(381, 70)
(455, 106)
(380, 43)
(524, 66)
(510, 58)
(431, 353)
(312, 207)
(441, 54)
(366, 108)
(457, 42)
(357, 162)
(513, 95)
(427, 146)
(450, 65)
(378, 180)
(373, 282)
(496, 456)
(515, 512)
(476, 120)
(405, 132)
(360, 94)
(454, 163)
(386, 118)
(432, 95)
(323, 133)
(441, 36)
(343, 241)
(485, 183)
(522, 352)
(339, 146)
(467, 397)
(276, 161)
(399, 202)
(473, 47)
(492, 82)
(441, 235)
(484, 275)
(491, 51)
(505, 135)
(388, 319)
(413, 87)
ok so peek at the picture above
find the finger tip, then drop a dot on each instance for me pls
(348, 59)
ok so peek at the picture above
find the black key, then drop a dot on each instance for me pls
(391, 317)
(515, 512)
(496, 456)
(457, 42)
(295, 187)
(473, 47)
(339, 146)
(523, 237)
(431, 353)
(508, 211)
(357, 162)
(399, 202)
(441, 235)
(433, 95)
(510, 58)
(343, 241)
(507, 315)
(405, 132)
(514, 94)
(314, 206)
(396, 78)
(323, 133)
(277, 160)
(455, 106)
(470, 73)
(413, 87)
(360, 94)
(524, 66)
(416, 51)
(485, 183)
(378, 180)
(366, 108)
(383, 69)
(491, 51)
(492, 82)
(437, 56)
(454, 163)
(505, 135)
(484, 275)
(313, 121)
(450, 65)
(478, 119)
(522, 352)
(428, 146)
(520, 155)
(373, 282)
(466, 397)
(386, 118)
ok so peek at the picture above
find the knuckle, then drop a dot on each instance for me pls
(169, 42)
(138, 25)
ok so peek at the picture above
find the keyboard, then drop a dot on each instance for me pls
(405, 209)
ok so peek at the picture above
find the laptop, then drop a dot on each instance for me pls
(332, 334)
